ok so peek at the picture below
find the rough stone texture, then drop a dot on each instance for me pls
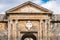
(1, 17)
(57, 17)
(3, 35)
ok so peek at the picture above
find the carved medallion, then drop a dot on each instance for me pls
(28, 25)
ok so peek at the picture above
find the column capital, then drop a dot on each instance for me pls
(11, 22)
(41, 20)
(16, 21)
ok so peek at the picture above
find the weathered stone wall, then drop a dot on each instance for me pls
(2, 26)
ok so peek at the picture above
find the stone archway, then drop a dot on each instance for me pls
(28, 35)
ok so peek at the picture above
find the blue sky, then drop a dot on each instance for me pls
(53, 5)
(44, 1)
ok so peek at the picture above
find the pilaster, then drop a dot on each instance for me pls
(41, 29)
(16, 30)
(46, 29)
(10, 30)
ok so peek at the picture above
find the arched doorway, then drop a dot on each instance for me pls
(28, 36)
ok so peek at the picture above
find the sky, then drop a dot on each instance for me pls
(53, 5)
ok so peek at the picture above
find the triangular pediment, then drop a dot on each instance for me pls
(28, 7)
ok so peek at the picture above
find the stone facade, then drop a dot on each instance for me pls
(42, 23)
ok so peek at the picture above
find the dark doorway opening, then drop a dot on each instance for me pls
(28, 35)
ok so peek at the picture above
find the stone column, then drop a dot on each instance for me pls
(16, 30)
(46, 28)
(41, 29)
(10, 30)
(49, 29)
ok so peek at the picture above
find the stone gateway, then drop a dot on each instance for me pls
(30, 21)
(28, 36)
